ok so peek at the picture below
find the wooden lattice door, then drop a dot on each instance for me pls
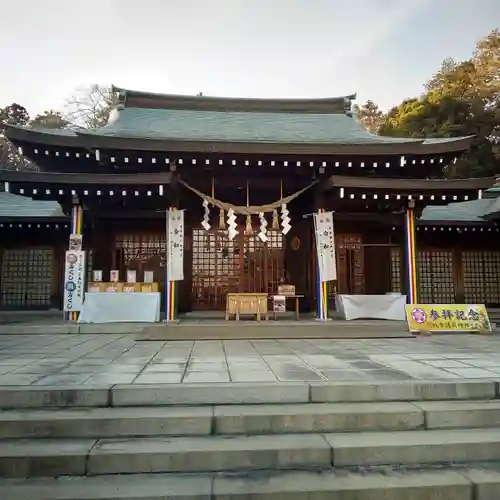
(481, 276)
(140, 252)
(26, 277)
(245, 264)
(350, 264)
(435, 276)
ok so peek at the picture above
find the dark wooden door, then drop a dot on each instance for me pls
(244, 264)
(350, 264)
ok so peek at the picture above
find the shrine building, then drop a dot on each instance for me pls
(399, 226)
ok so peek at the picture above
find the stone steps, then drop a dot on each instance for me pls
(58, 457)
(247, 419)
(463, 484)
(246, 393)
(408, 440)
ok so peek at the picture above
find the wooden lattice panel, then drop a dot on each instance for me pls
(396, 282)
(481, 276)
(89, 262)
(27, 277)
(435, 277)
(350, 263)
(263, 264)
(245, 264)
(144, 250)
(215, 268)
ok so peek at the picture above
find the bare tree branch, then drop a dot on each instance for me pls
(91, 106)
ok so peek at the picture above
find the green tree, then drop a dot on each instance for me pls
(461, 99)
(49, 119)
(10, 158)
(369, 115)
(448, 66)
(15, 114)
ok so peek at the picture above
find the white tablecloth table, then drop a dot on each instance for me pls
(391, 307)
(121, 307)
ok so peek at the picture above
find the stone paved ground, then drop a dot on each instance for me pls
(102, 360)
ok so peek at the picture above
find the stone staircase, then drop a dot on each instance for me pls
(408, 440)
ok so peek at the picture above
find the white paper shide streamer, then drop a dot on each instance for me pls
(231, 224)
(285, 220)
(206, 216)
(263, 227)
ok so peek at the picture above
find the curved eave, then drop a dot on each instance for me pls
(409, 184)
(86, 140)
(491, 216)
(43, 137)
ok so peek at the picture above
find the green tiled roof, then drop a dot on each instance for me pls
(493, 209)
(242, 127)
(465, 211)
(19, 207)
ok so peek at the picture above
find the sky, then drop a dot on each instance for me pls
(383, 50)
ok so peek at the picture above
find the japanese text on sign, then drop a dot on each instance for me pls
(325, 245)
(447, 317)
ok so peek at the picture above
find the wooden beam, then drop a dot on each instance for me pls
(407, 185)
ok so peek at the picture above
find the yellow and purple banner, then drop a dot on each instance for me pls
(447, 318)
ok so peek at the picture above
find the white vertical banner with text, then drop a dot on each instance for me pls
(74, 280)
(325, 245)
(175, 245)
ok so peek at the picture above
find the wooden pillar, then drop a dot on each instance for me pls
(103, 246)
(411, 253)
(458, 275)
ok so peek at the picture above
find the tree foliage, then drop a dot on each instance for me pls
(10, 158)
(370, 116)
(90, 107)
(461, 99)
(49, 119)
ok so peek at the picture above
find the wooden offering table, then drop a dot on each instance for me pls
(246, 303)
(297, 305)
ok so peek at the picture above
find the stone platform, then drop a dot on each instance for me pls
(219, 329)
(90, 360)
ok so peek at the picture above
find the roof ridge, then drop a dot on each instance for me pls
(143, 99)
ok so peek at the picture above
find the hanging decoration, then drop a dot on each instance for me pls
(231, 224)
(285, 220)
(206, 216)
(263, 227)
(248, 222)
(248, 211)
(222, 221)
(248, 225)
(276, 220)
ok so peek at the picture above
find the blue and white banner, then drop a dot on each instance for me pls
(74, 280)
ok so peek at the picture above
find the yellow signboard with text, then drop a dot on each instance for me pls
(447, 318)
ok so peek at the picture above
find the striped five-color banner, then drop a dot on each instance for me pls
(411, 252)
